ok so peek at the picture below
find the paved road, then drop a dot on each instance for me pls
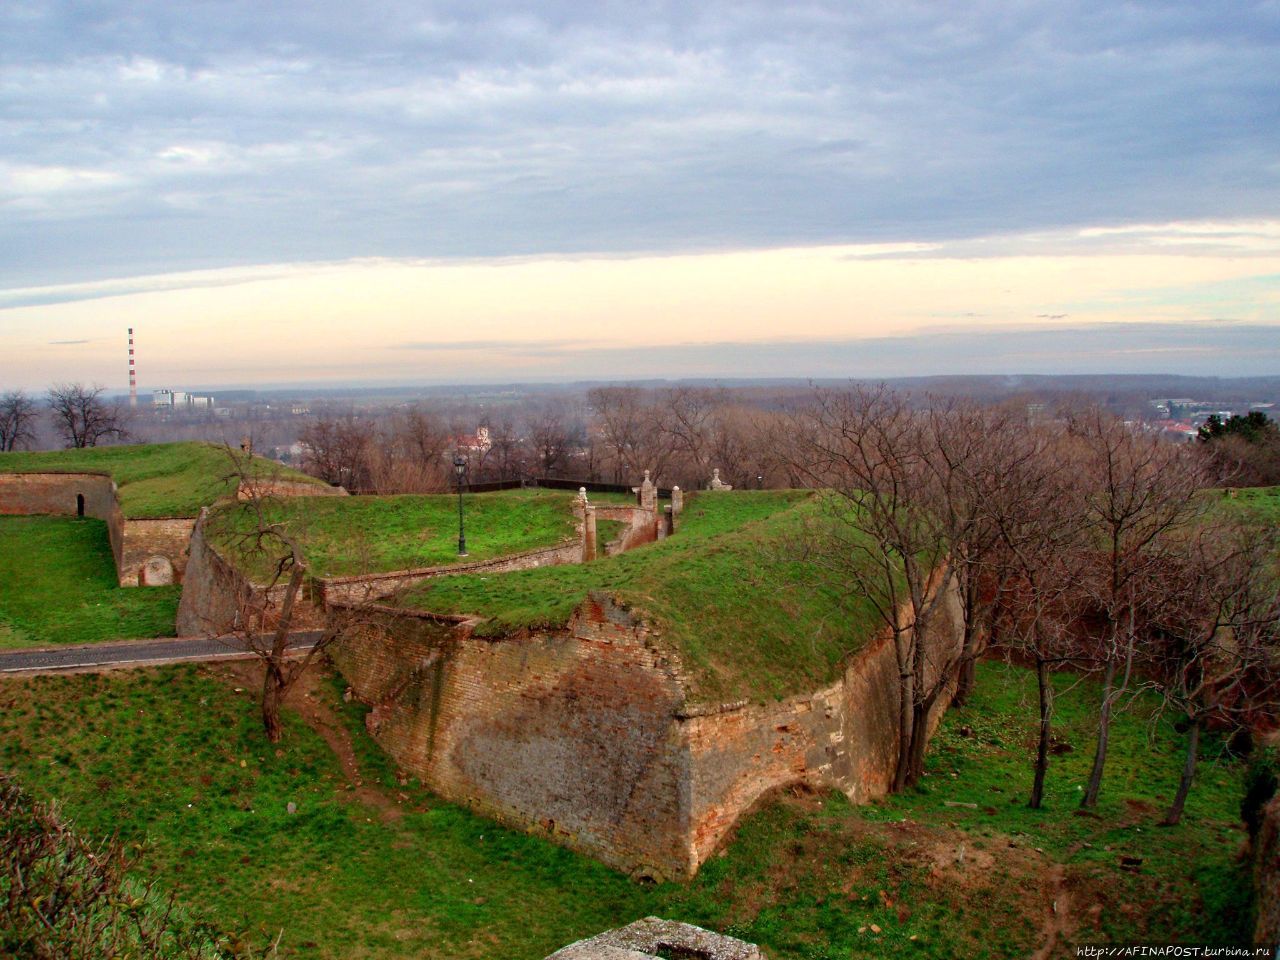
(98, 656)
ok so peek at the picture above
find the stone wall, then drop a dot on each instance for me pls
(58, 494)
(145, 539)
(586, 733)
(372, 586)
(216, 596)
(642, 526)
(277, 487)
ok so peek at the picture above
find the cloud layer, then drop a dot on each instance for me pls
(142, 138)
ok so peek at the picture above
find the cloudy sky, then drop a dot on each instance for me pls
(424, 192)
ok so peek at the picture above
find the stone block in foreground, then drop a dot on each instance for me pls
(653, 938)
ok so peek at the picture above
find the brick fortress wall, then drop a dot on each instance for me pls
(56, 494)
(585, 733)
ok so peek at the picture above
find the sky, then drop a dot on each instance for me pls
(396, 192)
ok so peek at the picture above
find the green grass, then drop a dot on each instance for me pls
(59, 586)
(175, 757)
(1262, 503)
(745, 617)
(154, 479)
(343, 536)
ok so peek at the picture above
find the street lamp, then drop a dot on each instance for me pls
(759, 481)
(460, 468)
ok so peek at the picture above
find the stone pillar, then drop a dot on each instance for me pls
(648, 494)
(677, 505)
(588, 526)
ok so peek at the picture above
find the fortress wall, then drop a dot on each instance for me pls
(144, 539)
(844, 736)
(216, 596)
(367, 587)
(567, 732)
(641, 525)
(56, 494)
(278, 487)
(585, 732)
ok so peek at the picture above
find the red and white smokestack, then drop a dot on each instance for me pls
(133, 374)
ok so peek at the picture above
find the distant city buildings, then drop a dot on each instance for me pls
(180, 400)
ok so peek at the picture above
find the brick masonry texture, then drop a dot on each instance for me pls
(216, 596)
(144, 539)
(586, 733)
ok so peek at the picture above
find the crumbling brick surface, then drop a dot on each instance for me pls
(143, 539)
(586, 732)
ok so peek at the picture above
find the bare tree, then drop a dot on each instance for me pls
(259, 536)
(336, 449)
(1215, 648)
(1039, 524)
(1141, 488)
(83, 418)
(883, 540)
(17, 420)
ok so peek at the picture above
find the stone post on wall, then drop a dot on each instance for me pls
(649, 504)
(588, 526)
(673, 511)
(716, 483)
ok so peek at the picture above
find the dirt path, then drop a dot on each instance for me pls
(1058, 923)
(311, 698)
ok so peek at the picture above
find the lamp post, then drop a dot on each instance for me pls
(759, 481)
(460, 468)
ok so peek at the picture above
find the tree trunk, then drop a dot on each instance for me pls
(1090, 798)
(967, 674)
(903, 768)
(272, 695)
(1174, 816)
(965, 680)
(1046, 724)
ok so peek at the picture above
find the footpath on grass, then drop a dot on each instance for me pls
(93, 657)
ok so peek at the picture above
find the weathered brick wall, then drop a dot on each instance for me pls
(144, 539)
(287, 488)
(844, 736)
(642, 526)
(569, 732)
(56, 494)
(1266, 877)
(586, 733)
(216, 596)
(372, 586)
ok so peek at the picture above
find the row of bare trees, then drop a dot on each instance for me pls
(1077, 543)
(81, 416)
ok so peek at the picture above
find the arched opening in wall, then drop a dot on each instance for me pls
(79, 504)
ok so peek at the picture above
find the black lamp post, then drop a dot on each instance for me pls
(460, 468)
(759, 481)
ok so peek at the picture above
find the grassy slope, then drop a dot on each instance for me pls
(154, 479)
(174, 756)
(59, 586)
(745, 618)
(1260, 502)
(350, 535)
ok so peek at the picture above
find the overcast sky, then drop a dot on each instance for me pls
(418, 191)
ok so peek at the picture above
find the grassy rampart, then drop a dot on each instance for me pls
(725, 591)
(154, 479)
